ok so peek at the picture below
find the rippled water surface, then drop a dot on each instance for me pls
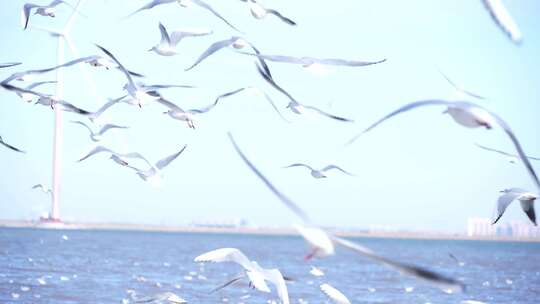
(68, 266)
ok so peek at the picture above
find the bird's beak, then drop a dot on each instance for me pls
(151, 49)
(166, 112)
(445, 111)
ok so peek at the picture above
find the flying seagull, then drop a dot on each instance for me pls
(524, 197)
(512, 157)
(51, 101)
(96, 136)
(234, 42)
(46, 100)
(43, 10)
(43, 189)
(418, 272)
(153, 174)
(459, 89)
(98, 61)
(319, 173)
(504, 20)
(92, 60)
(136, 91)
(260, 12)
(100, 149)
(178, 113)
(309, 61)
(334, 295)
(28, 75)
(469, 115)
(163, 297)
(10, 146)
(168, 43)
(28, 97)
(294, 105)
(256, 274)
(8, 64)
(184, 3)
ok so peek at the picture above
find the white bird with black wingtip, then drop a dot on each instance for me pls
(525, 198)
(255, 273)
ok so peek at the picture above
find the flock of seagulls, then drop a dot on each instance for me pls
(321, 243)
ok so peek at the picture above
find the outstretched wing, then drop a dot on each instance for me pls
(280, 16)
(330, 167)
(107, 105)
(271, 81)
(503, 19)
(150, 5)
(299, 165)
(503, 153)
(405, 108)
(164, 35)
(68, 107)
(275, 276)
(95, 151)
(8, 64)
(166, 161)
(83, 124)
(209, 8)
(36, 84)
(10, 146)
(25, 14)
(458, 88)
(110, 126)
(178, 35)
(230, 282)
(321, 112)
(120, 66)
(216, 46)
(518, 147)
(343, 62)
(225, 255)
(333, 294)
(503, 202)
(415, 271)
(284, 199)
(528, 208)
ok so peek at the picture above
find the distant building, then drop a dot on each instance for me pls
(221, 223)
(516, 229)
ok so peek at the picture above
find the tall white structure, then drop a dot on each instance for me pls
(63, 37)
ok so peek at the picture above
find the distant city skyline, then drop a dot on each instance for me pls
(420, 171)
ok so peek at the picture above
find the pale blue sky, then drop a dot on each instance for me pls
(418, 171)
